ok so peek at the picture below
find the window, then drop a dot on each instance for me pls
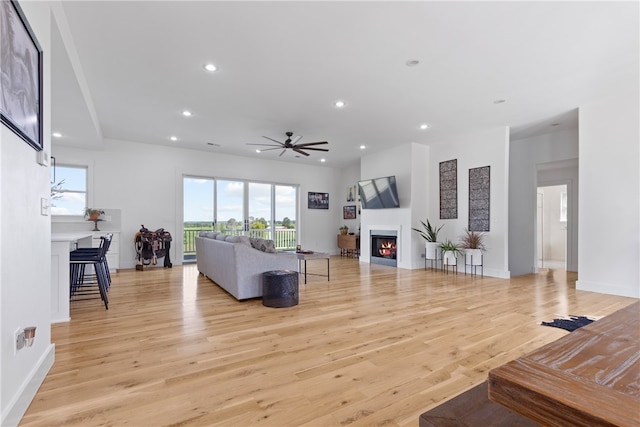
(68, 190)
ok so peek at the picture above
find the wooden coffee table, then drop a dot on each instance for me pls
(589, 377)
(305, 256)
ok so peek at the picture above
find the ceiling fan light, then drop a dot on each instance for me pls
(186, 113)
(210, 67)
(339, 104)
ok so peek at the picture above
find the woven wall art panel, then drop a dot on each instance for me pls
(449, 189)
(479, 198)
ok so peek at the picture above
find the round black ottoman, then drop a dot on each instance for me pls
(280, 288)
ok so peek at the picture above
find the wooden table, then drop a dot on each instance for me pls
(590, 377)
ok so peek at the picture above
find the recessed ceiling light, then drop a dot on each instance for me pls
(323, 160)
(258, 150)
(173, 138)
(424, 126)
(56, 135)
(210, 67)
(339, 104)
(412, 62)
(499, 101)
(186, 113)
(362, 147)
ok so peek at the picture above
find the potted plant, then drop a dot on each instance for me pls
(450, 252)
(473, 244)
(430, 234)
(344, 229)
(92, 214)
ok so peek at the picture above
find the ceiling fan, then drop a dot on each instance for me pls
(292, 144)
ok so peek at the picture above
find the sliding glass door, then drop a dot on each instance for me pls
(198, 211)
(239, 208)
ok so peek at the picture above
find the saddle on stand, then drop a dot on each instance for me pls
(151, 245)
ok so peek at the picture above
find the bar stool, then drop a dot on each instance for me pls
(96, 257)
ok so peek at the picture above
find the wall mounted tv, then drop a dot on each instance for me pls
(379, 193)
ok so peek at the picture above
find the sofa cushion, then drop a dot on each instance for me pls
(245, 240)
(221, 237)
(232, 239)
(263, 245)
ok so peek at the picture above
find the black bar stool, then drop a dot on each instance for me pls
(97, 257)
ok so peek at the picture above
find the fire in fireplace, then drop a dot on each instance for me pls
(387, 249)
(383, 247)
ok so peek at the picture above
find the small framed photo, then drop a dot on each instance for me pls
(318, 200)
(349, 212)
(21, 71)
(351, 193)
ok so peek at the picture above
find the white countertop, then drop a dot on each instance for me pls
(70, 237)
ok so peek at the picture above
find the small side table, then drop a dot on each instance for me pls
(280, 288)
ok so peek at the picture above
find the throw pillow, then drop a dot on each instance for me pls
(232, 239)
(221, 237)
(264, 245)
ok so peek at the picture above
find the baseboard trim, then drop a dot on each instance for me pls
(607, 288)
(18, 406)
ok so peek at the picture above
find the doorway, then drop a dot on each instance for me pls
(551, 227)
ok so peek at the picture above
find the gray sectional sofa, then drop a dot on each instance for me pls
(236, 263)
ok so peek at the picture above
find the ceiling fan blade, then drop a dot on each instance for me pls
(269, 149)
(300, 151)
(274, 140)
(266, 145)
(296, 139)
(312, 148)
(280, 155)
(306, 144)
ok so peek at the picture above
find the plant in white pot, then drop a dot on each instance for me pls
(450, 252)
(430, 234)
(473, 244)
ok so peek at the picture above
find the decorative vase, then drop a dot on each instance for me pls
(473, 256)
(432, 251)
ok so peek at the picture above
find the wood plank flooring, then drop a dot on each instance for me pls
(374, 346)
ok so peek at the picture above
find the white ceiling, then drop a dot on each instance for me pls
(126, 70)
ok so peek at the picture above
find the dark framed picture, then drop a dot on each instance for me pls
(21, 75)
(318, 200)
(349, 212)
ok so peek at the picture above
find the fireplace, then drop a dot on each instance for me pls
(384, 247)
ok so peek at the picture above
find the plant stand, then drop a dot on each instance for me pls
(474, 260)
(431, 255)
(446, 263)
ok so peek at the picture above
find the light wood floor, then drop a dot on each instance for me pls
(374, 346)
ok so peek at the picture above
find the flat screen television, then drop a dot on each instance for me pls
(379, 193)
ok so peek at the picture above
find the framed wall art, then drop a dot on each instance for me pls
(449, 189)
(479, 197)
(21, 75)
(318, 200)
(349, 212)
(351, 193)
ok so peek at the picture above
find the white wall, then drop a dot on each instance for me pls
(609, 229)
(486, 148)
(542, 160)
(25, 251)
(145, 182)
